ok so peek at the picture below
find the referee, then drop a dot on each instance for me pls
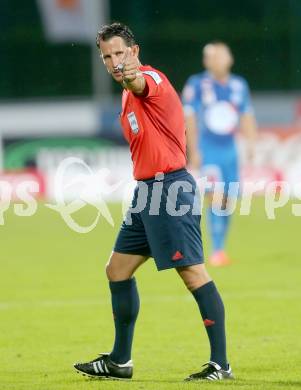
(165, 226)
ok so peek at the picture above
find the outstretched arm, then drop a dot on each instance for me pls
(133, 78)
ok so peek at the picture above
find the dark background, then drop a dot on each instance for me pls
(265, 37)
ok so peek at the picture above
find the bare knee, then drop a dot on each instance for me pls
(116, 274)
(122, 267)
(194, 276)
(110, 271)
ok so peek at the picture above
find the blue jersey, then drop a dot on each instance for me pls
(218, 108)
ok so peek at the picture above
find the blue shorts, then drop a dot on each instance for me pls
(167, 227)
(220, 165)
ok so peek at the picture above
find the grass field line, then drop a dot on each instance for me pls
(274, 294)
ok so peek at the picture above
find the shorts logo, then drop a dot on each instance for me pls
(133, 122)
(208, 322)
(177, 256)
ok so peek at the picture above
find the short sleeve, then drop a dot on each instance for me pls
(190, 97)
(153, 82)
(246, 107)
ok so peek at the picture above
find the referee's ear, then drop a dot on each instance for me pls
(135, 50)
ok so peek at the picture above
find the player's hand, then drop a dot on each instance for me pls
(130, 66)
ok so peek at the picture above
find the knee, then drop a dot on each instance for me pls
(194, 277)
(192, 281)
(110, 272)
(116, 273)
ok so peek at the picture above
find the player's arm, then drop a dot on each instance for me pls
(248, 128)
(193, 154)
(248, 125)
(189, 99)
(133, 78)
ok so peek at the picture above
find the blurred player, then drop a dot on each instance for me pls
(217, 103)
(153, 123)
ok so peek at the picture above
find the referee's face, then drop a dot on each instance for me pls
(112, 52)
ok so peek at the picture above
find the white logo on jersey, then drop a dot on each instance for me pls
(133, 122)
(221, 118)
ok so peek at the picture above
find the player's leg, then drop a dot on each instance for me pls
(212, 311)
(215, 222)
(218, 227)
(223, 199)
(125, 305)
(213, 171)
(175, 240)
(125, 302)
(211, 307)
(231, 177)
(130, 251)
(221, 173)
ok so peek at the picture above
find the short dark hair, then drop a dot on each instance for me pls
(218, 43)
(115, 29)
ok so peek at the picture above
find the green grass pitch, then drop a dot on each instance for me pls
(55, 307)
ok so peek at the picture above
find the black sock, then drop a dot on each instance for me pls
(125, 304)
(213, 313)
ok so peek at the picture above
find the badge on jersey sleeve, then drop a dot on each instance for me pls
(155, 76)
(133, 122)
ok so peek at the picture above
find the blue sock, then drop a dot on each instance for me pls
(218, 226)
(125, 304)
(213, 313)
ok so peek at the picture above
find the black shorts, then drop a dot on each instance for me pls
(164, 222)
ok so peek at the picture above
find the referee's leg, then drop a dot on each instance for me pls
(125, 302)
(122, 266)
(199, 283)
